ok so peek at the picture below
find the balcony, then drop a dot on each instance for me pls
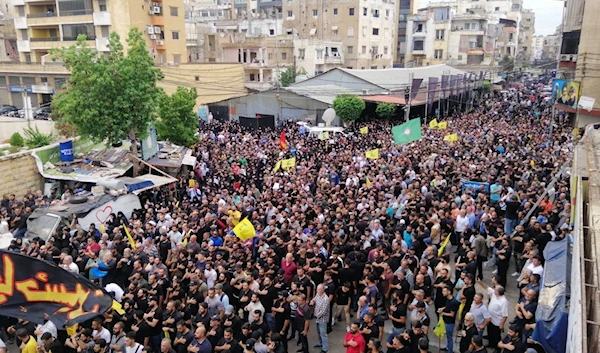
(102, 45)
(34, 68)
(333, 59)
(20, 22)
(419, 34)
(269, 3)
(258, 86)
(74, 38)
(70, 17)
(23, 46)
(158, 20)
(102, 18)
(18, 2)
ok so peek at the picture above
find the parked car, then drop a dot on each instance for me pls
(9, 110)
(42, 113)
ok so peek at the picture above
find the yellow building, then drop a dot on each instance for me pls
(45, 24)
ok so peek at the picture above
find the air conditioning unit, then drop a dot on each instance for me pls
(160, 42)
(150, 30)
(574, 58)
(565, 57)
(156, 30)
(156, 9)
(151, 12)
(155, 4)
(153, 36)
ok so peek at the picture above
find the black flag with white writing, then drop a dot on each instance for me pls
(36, 290)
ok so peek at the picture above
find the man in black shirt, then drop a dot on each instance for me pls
(281, 309)
(228, 343)
(369, 329)
(467, 334)
(448, 313)
(50, 344)
(184, 337)
(512, 343)
(154, 318)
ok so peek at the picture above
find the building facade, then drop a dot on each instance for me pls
(44, 25)
(366, 29)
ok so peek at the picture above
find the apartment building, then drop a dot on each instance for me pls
(367, 30)
(466, 33)
(405, 9)
(526, 36)
(46, 24)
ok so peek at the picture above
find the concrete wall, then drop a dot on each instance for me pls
(9, 126)
(18, 173)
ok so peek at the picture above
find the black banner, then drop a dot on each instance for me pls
(40, 291)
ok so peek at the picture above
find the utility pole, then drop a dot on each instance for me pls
(407, 98)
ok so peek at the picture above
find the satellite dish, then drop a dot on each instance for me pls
(328, 116)
(301, 78)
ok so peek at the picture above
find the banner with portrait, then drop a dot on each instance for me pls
(566, 92)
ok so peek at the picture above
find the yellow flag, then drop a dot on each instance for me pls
(116, 306)
(460, 309)
(368, 183)
(372, 154)
(532, 163)
(71, 330)
(288, 163)
(451, 138)
(364, 130)
(234, 217)
(192, 183)
(324, 136)
(440, 328)
(245, 230)
(443, 125)
(277, 166)
(102, 228)
(443, 246)
(433, 124)
(131, 241)
(185, 241)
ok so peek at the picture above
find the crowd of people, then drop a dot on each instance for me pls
(343, 243)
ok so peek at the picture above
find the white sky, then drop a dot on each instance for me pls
(548, 14)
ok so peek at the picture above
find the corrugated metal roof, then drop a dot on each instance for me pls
(321, 93)
(393, 79)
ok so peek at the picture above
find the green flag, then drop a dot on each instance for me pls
(407, 132)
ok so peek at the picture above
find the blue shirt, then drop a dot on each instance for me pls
(495, 187)
(217, 241)
(408, 238)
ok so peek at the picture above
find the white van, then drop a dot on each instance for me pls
(316, 131)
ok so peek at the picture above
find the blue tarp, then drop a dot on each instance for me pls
(552, 314)
(138, 186)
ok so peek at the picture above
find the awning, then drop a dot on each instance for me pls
(145, 182)
(391, 99)
(313, 31)
(334, 28)
(188, 159)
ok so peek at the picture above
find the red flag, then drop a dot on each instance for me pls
(283, 141)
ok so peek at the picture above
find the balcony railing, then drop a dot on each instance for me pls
(45, 39)
(74, 38)
(76, 12)
(41, 15)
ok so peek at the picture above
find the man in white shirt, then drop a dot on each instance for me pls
(498, 310)
(69, 265)
(536, 267)
(131, 346)
(99, 330)
(116, 289)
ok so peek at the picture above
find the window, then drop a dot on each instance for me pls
(419, 28)
(460, 57)
(335, 11)
(283, 56)
(364, 31)
(374, 50)
(351, 11)
(290, 14)
(350, 31)
(350, 50)
(438, 54)
(174, 11)
(270, 56)
(385, 50)
(472, 44)
(174, 35)
(375, 31)
(334, 31)
(315, 13)
(104, 31)
(365, 11)
(439, 34)
(70, 32)
(496, 8)
(364, 49)
(387, 13)
(271, 32)
(252, 77)
(102, 5)
(177, 59)
(418, 45)
(301, 53)
(319, 53)
(375, 13)
(441, 14)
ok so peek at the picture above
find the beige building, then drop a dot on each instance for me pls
(367, 30)
(46, 24)
(526, 36)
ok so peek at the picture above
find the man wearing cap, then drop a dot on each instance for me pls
(214, 331)
(232, 321)
(223, 297)
(281, 310)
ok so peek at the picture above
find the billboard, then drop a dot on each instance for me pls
(566, 92)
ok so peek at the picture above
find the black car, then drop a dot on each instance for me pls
(8, 110)
(42, 113)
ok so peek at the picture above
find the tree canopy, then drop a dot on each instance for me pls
(178, 121)
(385, 110)
(348, 107)
(288, 77)
(109, 97)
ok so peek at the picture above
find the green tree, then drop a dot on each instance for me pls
(112, 97)
(487, 86)
(177, 121)
(385, 110)
(348, 107)
(288, 77)
(507, 64)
